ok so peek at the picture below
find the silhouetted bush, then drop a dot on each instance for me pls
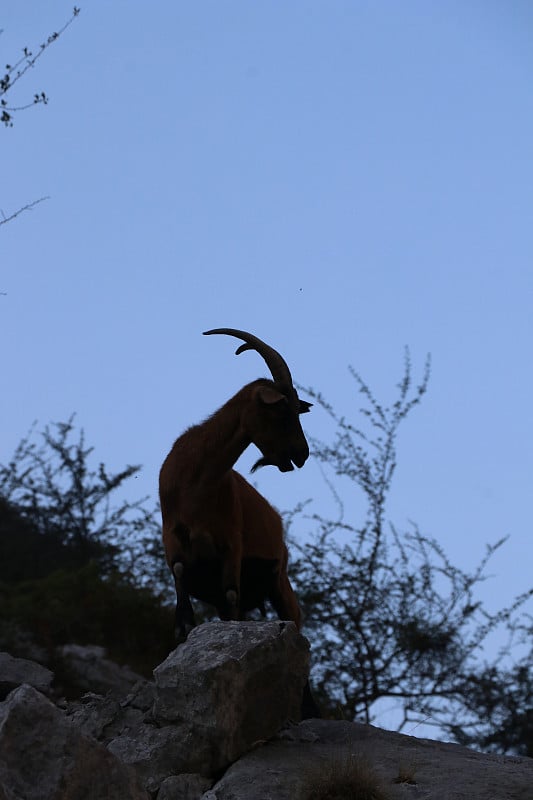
(80, 606)
(74, 565)
(389, 616)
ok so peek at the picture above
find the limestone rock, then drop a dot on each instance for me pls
(157, 753)
(228, 686)
(43, 756)
(94, 715)
(401, 766)
(142, 695)
(184, 787)
(234, 683)
(16, 671)
(218, 703)
(87, 668)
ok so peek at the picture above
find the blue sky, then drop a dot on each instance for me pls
(343, 179)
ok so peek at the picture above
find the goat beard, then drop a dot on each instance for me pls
(261, 462)
(265, 462)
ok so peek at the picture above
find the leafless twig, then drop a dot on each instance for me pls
(27, 207)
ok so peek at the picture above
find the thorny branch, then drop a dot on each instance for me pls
(14, 73)
(27, 207)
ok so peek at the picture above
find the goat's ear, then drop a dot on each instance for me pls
(270, 396)
(304, 406)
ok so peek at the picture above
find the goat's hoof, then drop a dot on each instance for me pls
(182, 632)
(231, 599)
(178, 570)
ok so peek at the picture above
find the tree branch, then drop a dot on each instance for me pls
(27, 207)
(14, 72)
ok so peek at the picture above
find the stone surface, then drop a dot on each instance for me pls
(87, 668)
(215, 705)
(279, 769)
(234, 682)
(94, 715)
(44, 756)
(157, 753)
(16, 671)
(184, 787)
(228, 686)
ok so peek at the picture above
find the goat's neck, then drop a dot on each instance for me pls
(223, 439)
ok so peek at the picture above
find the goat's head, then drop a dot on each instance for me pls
(273, 418)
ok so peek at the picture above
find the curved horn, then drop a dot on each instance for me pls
(276, 364)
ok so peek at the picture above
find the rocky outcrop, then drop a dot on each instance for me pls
(236, 687)
(220, 722)
(44, 756)
(16, 671)
(87, 668)
(317, 753)
(233, 684)
(184, 787)
(78, 669)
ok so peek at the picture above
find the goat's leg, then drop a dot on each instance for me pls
(231, 580)
(184, 613)
(309, 708)
(286, 606)
(284, 600)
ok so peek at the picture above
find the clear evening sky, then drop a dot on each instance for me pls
(343, 179)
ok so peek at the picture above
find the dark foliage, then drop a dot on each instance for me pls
(25, 553)
(76, 566)
(389, 616)
(78, 605)
(50, 484)
(503, 697)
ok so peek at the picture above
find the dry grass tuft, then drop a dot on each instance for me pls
(344, 778)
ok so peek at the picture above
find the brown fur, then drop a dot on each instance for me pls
(223, 540)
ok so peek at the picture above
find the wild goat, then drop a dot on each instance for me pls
(223, 541)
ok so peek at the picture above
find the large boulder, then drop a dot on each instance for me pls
(234, 683)
(16, 671)
(326, 759)
(157, 753)
(228, 687)
(44, 756)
